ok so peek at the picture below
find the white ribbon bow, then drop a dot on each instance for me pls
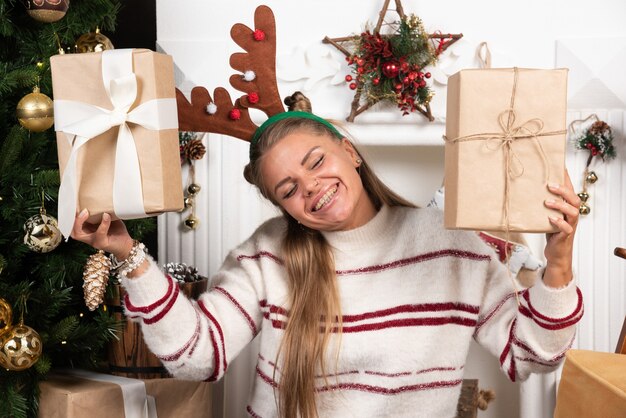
(82, 122)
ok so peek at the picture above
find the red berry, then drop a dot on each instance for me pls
(360, 70)
(398, 87)
(348, 78)
(258, 35)
(405, 80)
(234, 114)
(253, 98)
(353, 86)
(375, 81)
(422, 83)
(427, 75)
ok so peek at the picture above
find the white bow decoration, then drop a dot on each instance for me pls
(82, 122)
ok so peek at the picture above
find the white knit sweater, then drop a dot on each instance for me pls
(413, 295)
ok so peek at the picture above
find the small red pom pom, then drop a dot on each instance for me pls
(348, 78)
(353, 86)
(253, 98)
(234, 114)
(258, 35)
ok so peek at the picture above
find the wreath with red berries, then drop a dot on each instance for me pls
(598, 140)
(391, 67)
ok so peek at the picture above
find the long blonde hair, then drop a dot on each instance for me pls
(315, 311)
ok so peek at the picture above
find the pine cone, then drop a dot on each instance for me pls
(599, 127)
(193, 150)
(96, 278)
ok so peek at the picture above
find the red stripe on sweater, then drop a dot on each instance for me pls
(391, 391)
(259, 255)
(245, 314)
(552, 327)
(394, 323)
(380, 267)
(416, 259)
(370, 388)
(147, 309)
(215, 346)
(426, 307)
(536, 313)
(194, 338)
(507, 347)
(491, 313)
(251, 412)
(165, 310)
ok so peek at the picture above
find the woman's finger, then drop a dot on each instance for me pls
(103, 228)
(78, 229)
(562, 224)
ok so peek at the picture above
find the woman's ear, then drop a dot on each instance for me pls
(351, 151)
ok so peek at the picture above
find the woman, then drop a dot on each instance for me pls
(366, 306)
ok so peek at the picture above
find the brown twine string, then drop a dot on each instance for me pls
(505, 139)
(484, 62)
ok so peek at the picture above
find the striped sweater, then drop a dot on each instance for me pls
(413, 295)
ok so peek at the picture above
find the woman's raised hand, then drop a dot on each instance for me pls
(110, 236)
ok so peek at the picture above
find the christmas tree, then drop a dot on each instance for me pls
(43, 289)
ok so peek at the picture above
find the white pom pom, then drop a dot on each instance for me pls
(211, 108)
(249, 75)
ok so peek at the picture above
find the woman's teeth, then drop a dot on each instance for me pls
(325, 199)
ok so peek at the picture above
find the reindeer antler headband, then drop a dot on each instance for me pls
(257, 78)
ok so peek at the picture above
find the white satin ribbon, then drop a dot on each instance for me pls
(82, 122)
(137, 404)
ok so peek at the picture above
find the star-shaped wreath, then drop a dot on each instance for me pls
(390, 67)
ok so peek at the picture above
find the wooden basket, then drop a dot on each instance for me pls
(129, 355)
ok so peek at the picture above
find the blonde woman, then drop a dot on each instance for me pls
(365, 304)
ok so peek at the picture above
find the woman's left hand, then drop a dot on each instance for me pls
(559, 245)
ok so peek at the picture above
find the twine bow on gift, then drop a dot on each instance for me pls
(82, 122)
(531, 129)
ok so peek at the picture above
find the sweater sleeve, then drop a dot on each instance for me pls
(196, 340)
(529, 333)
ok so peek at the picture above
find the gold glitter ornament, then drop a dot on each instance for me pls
(192, 222)
(20, 348)
(6, 317)
(47, 11)
(93, 42)
(42, 232)
(35, 111)
(96, 277)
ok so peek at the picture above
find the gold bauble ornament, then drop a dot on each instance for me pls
(188, 202)
(583, 209)
(193, 189)
(591, 177)
(47, 11)
(93, 42)
(21, 348)
(42, 232)
(584, 196)
(35, 111)
(6, 316)
(192, 222)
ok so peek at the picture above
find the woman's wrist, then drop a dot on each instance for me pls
(124, 251)
(136, 259)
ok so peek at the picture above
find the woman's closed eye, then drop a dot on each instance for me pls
(318, 162)
(291, 191)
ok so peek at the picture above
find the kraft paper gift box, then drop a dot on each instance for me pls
(505, 141)
(79, 394)
(593, 385)
(117, 134)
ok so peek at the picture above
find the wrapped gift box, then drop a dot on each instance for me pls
(505, 129)
(117, 134)
(593, 384)
(79, 394)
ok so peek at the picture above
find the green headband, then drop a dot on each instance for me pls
(287, 115)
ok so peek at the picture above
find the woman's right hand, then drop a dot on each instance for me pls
(110, 236)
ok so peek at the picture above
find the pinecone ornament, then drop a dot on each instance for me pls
(599, 127)
(96, 278)
(193, 149)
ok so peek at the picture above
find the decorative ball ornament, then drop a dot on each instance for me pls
(42, 232)
(390, 69)
(591, 177)
(35, 111)
(193, 189)
(93, 42)
(20, 348)
(47, 11)
(6, 317)
(192, 222)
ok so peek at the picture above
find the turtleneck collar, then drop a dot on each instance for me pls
(362, 236)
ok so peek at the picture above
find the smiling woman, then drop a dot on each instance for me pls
(363, 303)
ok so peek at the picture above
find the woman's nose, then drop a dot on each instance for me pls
(313, 184)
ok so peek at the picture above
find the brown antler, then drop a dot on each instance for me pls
(260, 58)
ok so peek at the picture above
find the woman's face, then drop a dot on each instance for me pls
(314, 179)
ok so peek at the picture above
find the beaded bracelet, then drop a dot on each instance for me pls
(135, 258)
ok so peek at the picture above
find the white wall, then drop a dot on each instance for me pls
(406, 151)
